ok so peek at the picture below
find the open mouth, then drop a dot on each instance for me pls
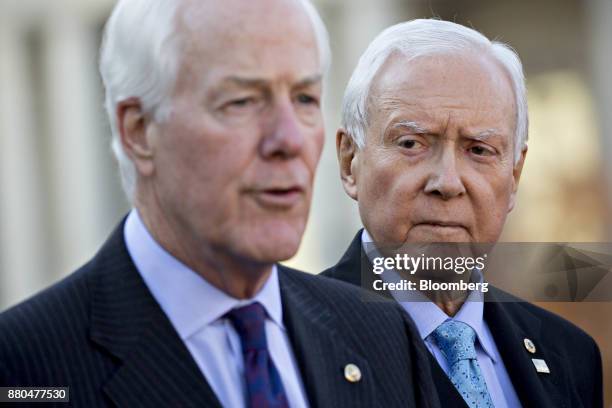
(279, 197)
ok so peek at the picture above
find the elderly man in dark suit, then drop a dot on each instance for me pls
(215, 109)
(432, 147)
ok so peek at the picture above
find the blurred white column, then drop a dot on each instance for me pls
(22, 228)
(76, 151)
(600, 15)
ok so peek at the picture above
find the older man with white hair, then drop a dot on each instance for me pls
(432, 146)
(215, 109)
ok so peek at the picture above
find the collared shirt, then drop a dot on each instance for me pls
(196, 309)
(427, 316)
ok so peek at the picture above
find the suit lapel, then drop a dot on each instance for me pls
(447, 393)
(155, 368)
(348, 269)
(532, 388)
(321, 354)
(510, 324)
(355, 267)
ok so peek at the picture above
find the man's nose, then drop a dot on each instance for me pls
(283, 137)
(444, 179)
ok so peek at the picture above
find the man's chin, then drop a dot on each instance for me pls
(274, 243)
(270, 254)
(434, 234)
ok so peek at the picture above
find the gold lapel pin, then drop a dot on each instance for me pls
(352, 373)
(540, 366)
(529, 345)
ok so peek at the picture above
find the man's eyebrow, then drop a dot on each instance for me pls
(412, 126)
(309, 80)
(485, 134)
(244, 81)
(247, 82)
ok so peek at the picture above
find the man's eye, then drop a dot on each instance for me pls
(241, 105)
(241, 102)
(481, 151)
(307, 99)
(410, 144)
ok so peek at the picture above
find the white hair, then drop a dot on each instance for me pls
(139, 58)
(425, 37)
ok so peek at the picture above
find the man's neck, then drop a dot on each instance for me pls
(449, 301)
(451, 306)
(235, 276)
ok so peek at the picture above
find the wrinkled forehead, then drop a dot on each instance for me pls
(462, 77)
(443, 68)
(207, 23)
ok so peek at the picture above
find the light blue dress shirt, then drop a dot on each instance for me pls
(196, 309)
(428, 316)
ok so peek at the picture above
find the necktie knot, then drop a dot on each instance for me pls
(249, 322)
(456, 341)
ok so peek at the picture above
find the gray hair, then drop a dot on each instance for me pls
(424, 37)
(143, 63)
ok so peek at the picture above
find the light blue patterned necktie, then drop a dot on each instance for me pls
(456, 341)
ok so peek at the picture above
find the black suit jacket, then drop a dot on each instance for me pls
(575, 378)
(101, 333)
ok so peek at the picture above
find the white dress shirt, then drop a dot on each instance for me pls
(196, 309)
(428, 316)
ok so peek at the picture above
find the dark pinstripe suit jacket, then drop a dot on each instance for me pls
(101, 333)
(575, 378)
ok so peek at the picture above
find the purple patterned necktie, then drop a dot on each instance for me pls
(264, 385)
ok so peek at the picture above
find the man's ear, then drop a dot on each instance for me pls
(516, 176)
(132, 125)
(348, 152)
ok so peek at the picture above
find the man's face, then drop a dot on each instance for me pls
(438, 163)
(235, 161)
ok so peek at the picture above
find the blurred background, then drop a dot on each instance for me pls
(60, 191)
